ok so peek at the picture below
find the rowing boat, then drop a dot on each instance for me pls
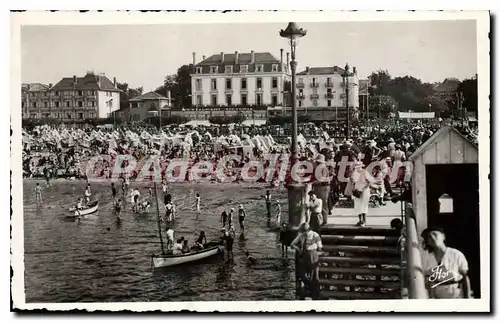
(193, 256)
(89, 209)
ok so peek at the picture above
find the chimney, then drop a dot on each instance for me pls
(221, 56)
(236, 58)
(74, 80)
(169, 98)
(203, 57)
(288, 59)
(307, 69)
(281, 58)
(50, 85)
(252, 59)
(114, 82)
(194, 59)
(354, 69)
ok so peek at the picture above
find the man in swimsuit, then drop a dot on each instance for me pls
(118, 209)
(198, 203)
(223, 217)
(241, 218)
(88, 194)
(113, 190)
(38, 192)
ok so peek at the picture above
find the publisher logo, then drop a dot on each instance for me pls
(440, 275)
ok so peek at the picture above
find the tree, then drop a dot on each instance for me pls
(382, 105)
(468, 87)
(127, 93)
(179, 86)
(380, 81)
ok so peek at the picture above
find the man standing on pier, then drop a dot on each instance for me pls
(315, 208)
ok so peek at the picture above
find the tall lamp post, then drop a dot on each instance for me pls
(346, 86)
(293, 33)
(295, 190)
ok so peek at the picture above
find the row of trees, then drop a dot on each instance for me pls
(411, 94)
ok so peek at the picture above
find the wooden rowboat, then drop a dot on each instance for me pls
(193, 256)
(89, 209)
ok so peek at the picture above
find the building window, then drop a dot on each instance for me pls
(80, 115)
(229, 69)
(329, 91)
(213, 69)
(199, 70)
(46, 104)
(301, 81)
(58, 115)
(92, 104)
(275, 82)
(300, 103)
(214, 84)
(57, 93)
(80, 104)
(243, 83)
(274, 99)
(199, 100)
(329, 81)
(57, 104)
(315, 102)
(80, 93)
(67, 103)
(301, 92)
(329, 103)
(198, 84)
(258, 99)
(34, 104)
(92, 93)
(214, 100)
(244, 69)
(69, 115)
(259, 68)
(275, 68)
(314, 81)
(228, 83)
(229, 100)
(244, 99)
(259, 83)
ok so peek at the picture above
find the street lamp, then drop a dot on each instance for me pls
(346, 86)
(293, 33)
(296, 190)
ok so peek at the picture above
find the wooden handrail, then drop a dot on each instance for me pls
(414, 269)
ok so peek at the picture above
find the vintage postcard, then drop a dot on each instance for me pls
(250, 161)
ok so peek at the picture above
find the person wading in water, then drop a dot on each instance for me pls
(197, 205)
(38, 193)
(267, 198)
(88, 194)
(241, 218)
(118, 209)
(223, 218)
(113, 191)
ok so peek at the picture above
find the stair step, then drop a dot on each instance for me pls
(360, 260)
(361, 283)
(330, 229)
(360, 271)
(360, 240)
(361, 249)
(359, 295)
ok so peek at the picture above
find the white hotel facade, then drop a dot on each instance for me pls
(324, 87)
(239, 79)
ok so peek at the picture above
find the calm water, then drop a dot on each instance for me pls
(97, 260)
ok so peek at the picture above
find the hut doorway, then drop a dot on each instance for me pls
(459, 217)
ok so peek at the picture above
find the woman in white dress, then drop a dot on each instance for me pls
(445, 267)
(360, 192)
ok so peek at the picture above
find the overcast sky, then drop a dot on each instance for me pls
(142, 55)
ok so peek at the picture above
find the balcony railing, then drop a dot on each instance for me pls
(314, 96)
(328, 85)
(300, 85)
(228, 91)
(329, 95)
(300, 97)
(314, 85)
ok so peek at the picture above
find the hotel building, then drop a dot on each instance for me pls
(239, 79)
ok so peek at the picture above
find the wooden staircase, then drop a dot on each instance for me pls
(359, 263)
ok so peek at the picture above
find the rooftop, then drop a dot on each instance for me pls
(34, 87)
(243, 59)
(322, 71)
(148, 96)
(90, 81)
